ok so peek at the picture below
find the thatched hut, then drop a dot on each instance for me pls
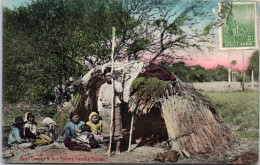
(164, 108)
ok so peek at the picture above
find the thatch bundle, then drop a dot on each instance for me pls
(164, 107)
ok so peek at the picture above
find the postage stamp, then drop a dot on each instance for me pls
(239, 29)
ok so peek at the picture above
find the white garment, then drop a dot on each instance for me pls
(31, 126)
(22, 145)
(48, 123)
(106, 94)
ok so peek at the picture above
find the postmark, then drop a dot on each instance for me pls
(224, 12)
(239, 30)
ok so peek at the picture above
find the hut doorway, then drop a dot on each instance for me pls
(150, 129)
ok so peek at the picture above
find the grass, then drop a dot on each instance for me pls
(9, 115)
(239, 108)
(250, 135)
(146, 85)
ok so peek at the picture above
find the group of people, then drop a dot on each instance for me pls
(24, 133)
(77, 135)
(83, 136)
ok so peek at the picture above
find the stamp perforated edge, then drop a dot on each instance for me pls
(256, 30)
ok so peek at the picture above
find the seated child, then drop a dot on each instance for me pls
(95, 125)
(15, 137)
(86, 137)
(71, 130)
(30, 131)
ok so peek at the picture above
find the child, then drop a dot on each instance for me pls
(15, 137)
(95, 125)
(31, 131)
(71, 130)
(86, 137)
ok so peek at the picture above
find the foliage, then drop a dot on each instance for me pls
(203, 40)
(137, 46)
(46, 42)
(196, 73)
(239, 108)
(233, 62)
(76, 95)
(254, 65)
(242, 81)
(146, 86)
(62, 117)
(207, 28)
(10, 115)
(250, 135)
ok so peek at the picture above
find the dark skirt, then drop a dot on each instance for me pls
(73, 146)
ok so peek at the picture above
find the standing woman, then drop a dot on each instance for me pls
(71, 130)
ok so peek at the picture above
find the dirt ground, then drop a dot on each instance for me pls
(58, 153)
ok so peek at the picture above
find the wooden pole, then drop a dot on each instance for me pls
(131, 132)
(252, 78)
(229, 78)
(244, 72)
(113, 93)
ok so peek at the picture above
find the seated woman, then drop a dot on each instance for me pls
(15, 138)
(30, 131)
(71, 130)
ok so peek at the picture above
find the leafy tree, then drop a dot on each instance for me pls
(162, 29)
(48, 41)
(198, 74)
(195, 73)
(179, 69)
(254, 65)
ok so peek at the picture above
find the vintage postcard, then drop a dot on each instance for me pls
(130, 81)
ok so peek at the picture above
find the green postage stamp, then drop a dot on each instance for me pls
(238, 26)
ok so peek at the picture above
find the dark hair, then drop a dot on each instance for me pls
(18, 121)
(73, 113)
(31, 115)
(107, 70)
(85, 127)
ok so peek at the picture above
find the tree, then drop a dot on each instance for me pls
(47, 41)
(179, 69)
(254, 65)
(163, 29)
(233, 63)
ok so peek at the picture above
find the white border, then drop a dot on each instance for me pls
(220, 29)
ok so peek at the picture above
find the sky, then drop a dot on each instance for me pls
(14, 3)
(211, 59)
(207, 59)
